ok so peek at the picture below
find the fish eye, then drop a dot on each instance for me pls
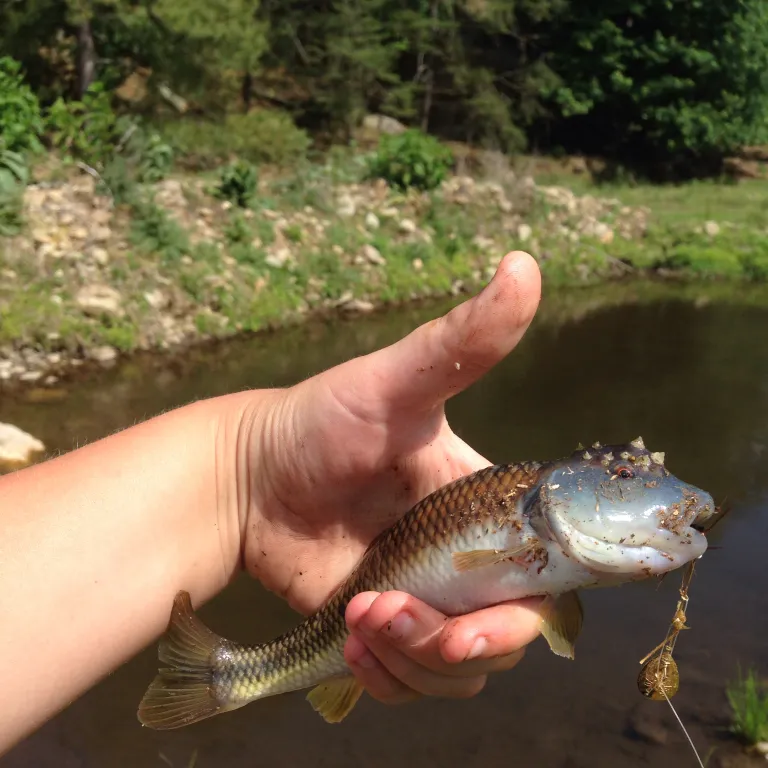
(625, 472)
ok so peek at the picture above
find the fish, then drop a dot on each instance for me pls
(598, 517)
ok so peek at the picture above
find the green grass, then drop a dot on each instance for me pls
(748, 697)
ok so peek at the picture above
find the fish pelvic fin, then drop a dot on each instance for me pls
(183, 692)
(335, 699)
(561, 620)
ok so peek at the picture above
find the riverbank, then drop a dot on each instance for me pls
(97, 273)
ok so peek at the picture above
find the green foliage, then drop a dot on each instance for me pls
(411, 159)
(21, 123)
(238, 183)
(260, 136)
(87, 130)
(748, 698)
(13, 178)
(154, 232)
(659, 81)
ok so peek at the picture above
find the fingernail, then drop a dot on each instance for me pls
(400, 628)
(358, 653)
(477, 648)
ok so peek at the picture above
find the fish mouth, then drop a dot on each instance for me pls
(650, 551)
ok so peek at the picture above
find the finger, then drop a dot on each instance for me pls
(442, 357)
(421, 633)
(491, 632)
(373, 676)
(417, 677)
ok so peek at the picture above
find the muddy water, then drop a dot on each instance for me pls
(690, 376)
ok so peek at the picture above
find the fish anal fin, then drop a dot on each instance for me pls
(480, 558)
(335, 699)
(561, 619)
(183, 692)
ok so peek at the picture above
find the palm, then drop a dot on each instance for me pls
(374, 441)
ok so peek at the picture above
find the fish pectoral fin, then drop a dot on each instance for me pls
(335, 699)
(182, 693)
(561, 620)
(479, 558)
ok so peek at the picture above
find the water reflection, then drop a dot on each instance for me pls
(692, 380)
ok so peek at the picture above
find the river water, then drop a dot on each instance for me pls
(687, 370)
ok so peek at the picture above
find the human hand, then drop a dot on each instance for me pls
(337, 458)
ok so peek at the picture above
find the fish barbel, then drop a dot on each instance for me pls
(599, 517)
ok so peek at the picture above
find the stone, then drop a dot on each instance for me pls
(101, 234)
(371, 221)
(524, 232)
(407, 226)
(346, 206)
(417, 264)
(383, 124)
(99, 255)
(372, 255)
(278, 259)
(156, 299)
(104, 354)
(17, 446)
(712, 228)
(95, 300)
(359, 306)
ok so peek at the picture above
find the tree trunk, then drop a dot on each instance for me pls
(86, 58)
(246, 91)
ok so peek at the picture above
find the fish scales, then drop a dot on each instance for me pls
(599, 517)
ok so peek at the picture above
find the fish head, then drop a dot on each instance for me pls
(617, 509)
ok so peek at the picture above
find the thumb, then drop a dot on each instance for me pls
(445, 356)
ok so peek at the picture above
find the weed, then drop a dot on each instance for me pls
(748, 697)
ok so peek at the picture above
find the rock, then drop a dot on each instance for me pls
(16, 446)
(383, 124)
(648, 725)
(98, 300)
(712, 228)
(359, 306)
(373, 256)
(278, 259)
(483, 243)
(407, 227)
(524, 232)
(505, 205)
(101, 234)
(8, 274)
(417, 264)
(104, 354)
(30, 377)
(346, 206)
(156, 299)
(603, 233)
(99, 255)
(371, 221)
(389, 212)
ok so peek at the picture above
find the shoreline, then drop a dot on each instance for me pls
(91, 280)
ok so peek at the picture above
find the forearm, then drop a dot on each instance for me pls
(94, 545)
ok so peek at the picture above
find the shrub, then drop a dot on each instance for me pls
(21, 123)
(13, 178)
(260, 136)
(238, 182)
(87, 129)
(411, 159)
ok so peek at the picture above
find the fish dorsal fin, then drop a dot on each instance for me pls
(561, 620)
(335, 699)
(480, 558)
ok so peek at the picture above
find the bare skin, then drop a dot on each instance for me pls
(290, 484)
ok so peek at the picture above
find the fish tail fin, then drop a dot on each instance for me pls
(183, 692)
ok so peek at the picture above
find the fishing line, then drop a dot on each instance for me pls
(687, 736)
